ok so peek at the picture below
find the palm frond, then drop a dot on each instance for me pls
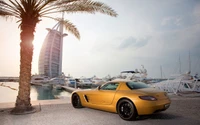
(68, 26)
(39, 3)
(74, 6)
(65, 2)
(54, 5)
(88, 6)
(27, 10)
(45, 3)
(5, 13)
(17, 6)
(71, 28)
(8, 10)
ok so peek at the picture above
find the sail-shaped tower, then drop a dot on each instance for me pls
(50, 59)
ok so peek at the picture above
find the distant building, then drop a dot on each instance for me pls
(50, 59)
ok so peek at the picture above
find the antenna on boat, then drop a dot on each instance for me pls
(179, 64)
(161, 71)
(189, 63)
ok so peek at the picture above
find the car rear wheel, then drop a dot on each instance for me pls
(126, 110)
(76, 102)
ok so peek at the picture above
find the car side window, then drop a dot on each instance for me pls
(109, 86)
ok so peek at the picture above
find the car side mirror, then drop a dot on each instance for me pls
(98, 87)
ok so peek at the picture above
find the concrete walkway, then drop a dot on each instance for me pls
(37, 103)
(183, 111)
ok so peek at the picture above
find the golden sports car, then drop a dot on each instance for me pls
(127, 98)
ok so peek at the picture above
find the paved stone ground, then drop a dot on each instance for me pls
(184, 110)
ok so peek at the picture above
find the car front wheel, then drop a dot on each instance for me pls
(126, 110)
(76, 102)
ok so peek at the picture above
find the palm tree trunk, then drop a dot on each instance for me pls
(23, 104)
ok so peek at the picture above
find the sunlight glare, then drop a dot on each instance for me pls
(37, 43)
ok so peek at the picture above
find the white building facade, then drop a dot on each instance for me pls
(50, 59)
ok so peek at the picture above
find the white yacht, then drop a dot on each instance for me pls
(39, 80)
(134, 75)
(97, 81)
(179, 83)
(57, 80)
(84, 82)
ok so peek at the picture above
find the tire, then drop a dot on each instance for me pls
(126, 110)
(76, 102)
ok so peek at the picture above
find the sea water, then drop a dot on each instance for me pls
(9, 92)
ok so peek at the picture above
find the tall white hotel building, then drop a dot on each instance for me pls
(50, 59)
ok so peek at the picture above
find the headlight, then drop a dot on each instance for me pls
(149, 98)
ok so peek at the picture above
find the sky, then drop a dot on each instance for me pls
(153, 33)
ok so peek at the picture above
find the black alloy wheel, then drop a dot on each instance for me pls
(126, 110)
(76, 102)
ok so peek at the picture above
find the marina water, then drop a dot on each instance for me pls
(9, 94)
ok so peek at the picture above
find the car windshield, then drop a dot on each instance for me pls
(137, 85)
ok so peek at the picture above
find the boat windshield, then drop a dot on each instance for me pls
(137, 85)
(71, 80)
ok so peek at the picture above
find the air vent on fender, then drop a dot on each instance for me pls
(86, 98)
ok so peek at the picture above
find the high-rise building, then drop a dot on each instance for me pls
(50, 59)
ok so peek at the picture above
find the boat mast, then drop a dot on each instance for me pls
(161, 71)
(179, 64)
(189, 63)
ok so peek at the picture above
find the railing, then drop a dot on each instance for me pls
(9, 79)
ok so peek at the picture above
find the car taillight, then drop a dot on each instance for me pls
(149, 98)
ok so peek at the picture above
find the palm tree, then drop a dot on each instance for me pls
(29, 13)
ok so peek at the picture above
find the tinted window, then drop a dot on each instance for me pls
(137, 85)
(109, 86)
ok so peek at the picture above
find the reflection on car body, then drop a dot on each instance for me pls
(127, 98)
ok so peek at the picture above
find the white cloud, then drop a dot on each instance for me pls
(133, 43)
(171, 21)
(196, 12)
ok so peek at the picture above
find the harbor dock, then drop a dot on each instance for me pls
(69, 89)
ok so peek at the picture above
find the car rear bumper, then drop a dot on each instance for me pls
(150, 107)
